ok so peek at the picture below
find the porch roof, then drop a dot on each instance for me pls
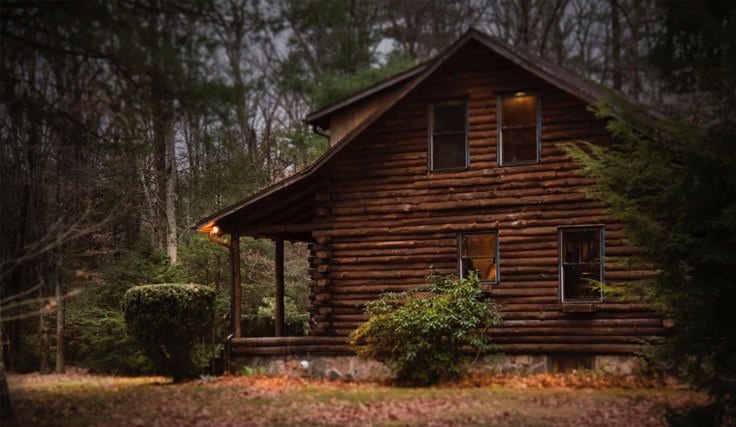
(280, 211)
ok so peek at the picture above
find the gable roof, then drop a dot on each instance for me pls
(577, 86)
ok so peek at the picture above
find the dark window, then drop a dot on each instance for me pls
(518, 129)
(448, 143)
(581, 263)
(479, 253)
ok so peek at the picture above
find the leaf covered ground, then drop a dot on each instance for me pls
(79, 399)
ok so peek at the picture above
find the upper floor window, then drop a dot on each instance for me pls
(448, 140)
(519, 129)
(581, 263)
(479, 252)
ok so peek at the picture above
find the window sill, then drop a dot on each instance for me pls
(529, 163)
(461, 169)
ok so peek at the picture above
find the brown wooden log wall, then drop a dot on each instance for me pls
(386, 221)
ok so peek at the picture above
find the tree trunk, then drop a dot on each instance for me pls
(6, 408)
(44, 346)
(60, 320)
(148, 198)
(171, 244)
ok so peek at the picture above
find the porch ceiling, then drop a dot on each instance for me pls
(277, 213)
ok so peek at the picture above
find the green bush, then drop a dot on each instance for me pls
(425, 339)
(168, 321)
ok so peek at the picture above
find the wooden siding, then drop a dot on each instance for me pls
(384, 221)
(343, 121)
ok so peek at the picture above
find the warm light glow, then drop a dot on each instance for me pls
(520, 94)
(215, 230)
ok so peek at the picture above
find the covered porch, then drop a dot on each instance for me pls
(281, 213)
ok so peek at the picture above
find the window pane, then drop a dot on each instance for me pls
(519, 145)
(579, 281)
(448, 151)
(479, 244)
(478, 253)
(449, 118)
(519, 111)
(581, 246)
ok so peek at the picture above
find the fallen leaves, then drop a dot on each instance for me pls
(574, 380)
(570, 399)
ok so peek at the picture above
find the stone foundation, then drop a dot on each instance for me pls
(345, 368)
(349, 368)
(618, 364)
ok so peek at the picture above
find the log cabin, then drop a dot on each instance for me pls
(452, 166)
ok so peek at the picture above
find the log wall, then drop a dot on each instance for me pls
(384, 221)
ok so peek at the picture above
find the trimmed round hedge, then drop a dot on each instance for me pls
(168, 320)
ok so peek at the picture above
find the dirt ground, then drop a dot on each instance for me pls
(80, 399)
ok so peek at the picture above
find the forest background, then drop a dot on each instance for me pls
(122, 123)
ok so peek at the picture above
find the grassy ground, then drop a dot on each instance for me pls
(81, 400)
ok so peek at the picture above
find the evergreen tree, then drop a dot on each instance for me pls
(673, 184)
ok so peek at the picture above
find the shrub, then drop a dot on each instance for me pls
(168, 320)
(425, 339)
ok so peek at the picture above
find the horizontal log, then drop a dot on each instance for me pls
(548, 211)
(403, 177)
(571, 348)
(482, 193)
(346, 189)
(523, 292)
(425, 267)
(531, 234)
(568, 339)
(292, 350)
(285, 341)
(550, 315)
(642, 323)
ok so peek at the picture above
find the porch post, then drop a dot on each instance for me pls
(279, 294)
(235, 283)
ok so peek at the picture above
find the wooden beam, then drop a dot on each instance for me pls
(235, 288)
(279, 307)
(277, 228)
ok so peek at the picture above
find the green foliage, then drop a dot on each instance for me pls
(675, 191)
(328, 36)
(333, 49)
(201, 261)
(97, 340)
(168, 320)
(425, 339)
(300, 146)
(335, 86)
(141, 263)
(262, 323)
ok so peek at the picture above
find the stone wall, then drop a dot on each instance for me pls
(352, 368)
